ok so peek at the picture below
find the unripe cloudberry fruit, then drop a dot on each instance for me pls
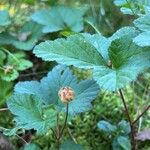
(66, 94)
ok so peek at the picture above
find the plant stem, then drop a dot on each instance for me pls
(145, 110)
(62, 130)
(54, 133)
(129, 119)
(58, 133)
(57, 144)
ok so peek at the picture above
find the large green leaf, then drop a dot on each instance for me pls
(47, 89)
(49, 86)
(28, 36)
(126, 59)
(25, 39)
(59, 18)
(143, 39)
(29, 113)
(75, 50)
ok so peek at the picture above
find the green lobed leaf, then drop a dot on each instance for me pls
(126, 59)
(15, 62)
(26, 38)
(59, 18)
(31, 146)
(133, 7)
(143, 23)
(47, 89)
(143, 39)
(71, 144)
(6, 38)
(30, 114)
(4, 18)
(106, 127)
(19, 62)
(124, 142)
(125, 31)
(126, 6)
(10, 76)
(24, 64)
(120, 2)
(124, 126)
(100, 42)
(127, 11)
(74, 50)
(11, 132)
(121, 143)
(27, 43)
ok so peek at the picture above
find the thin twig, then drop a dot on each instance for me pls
(3, 109)
(33, 74)
(93, 26)
(72, 135)
(54, 133)
(125, 106)
(129, 119)
(62, 130)
(22, 139)
(145, 110)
